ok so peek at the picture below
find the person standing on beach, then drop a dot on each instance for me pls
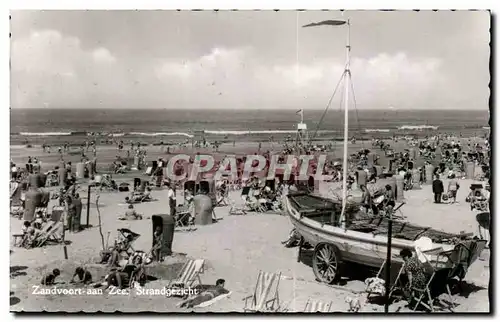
(437, 189)
(171, 199)
(453, 187)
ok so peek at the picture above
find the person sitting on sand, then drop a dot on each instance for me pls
(147, 194)
(138, 273)
(207, 295)
(50, 278)
(83, 275)
(117, 279)
(130, 214)
(37, 224)
(31, 234)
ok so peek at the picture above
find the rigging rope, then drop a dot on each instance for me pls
(355, 108)
(327, 106)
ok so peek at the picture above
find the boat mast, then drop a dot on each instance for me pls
(347, 76)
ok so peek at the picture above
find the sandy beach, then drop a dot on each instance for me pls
(344, 135)
(251, 243)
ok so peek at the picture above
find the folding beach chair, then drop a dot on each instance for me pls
(223, 197)
(236, 210)
(189, 274)
(317, 306)
(424, 295)
(462, 256)
(51, 231)
(374, 285)
(128, 238)
(183, 219)
(260, 301)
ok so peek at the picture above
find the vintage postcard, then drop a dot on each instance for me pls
(250, 161)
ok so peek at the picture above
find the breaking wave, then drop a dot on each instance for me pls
(45, 133)
(418, 127)
(377, 130)
(162, 134)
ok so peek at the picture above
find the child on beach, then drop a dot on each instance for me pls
(83, 275)
(130, 214)
(50, 278)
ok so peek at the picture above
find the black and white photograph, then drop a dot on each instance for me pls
(251, 161)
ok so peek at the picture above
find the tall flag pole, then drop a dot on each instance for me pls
(301, 112)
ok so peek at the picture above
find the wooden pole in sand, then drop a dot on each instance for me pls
(88, 206)
(388, 265)
(100, 223)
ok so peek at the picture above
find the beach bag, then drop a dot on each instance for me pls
(445, 197)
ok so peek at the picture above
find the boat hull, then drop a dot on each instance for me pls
(359, 247)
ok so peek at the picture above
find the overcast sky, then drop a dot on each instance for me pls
(169, 59)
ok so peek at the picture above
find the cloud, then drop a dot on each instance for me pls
(102, 55)
(49, 68)
(380, 81)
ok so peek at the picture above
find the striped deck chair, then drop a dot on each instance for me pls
(189, 274)
(317, 306)
(51, 231)
(260, 301)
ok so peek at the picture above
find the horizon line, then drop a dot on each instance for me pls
(246, 109)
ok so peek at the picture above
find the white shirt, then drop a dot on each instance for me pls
(171, 194)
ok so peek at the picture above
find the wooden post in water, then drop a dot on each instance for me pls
(388, 265)
(88, 206)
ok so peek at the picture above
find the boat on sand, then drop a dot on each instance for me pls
(339, 234)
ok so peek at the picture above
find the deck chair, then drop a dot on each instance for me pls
(424, 295)
(51, 231)
(462, 256)
(397, 213)
(183, 219)
(235, 210)
(260, 301)
(317, 306)
(189, 274)
(223, 197)
(129, 237)
(374, 291)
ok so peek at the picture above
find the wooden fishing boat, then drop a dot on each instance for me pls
(364, 241)
(329, 226)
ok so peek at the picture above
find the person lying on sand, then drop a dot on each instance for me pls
(83, 275)
(207, 295)
(50, 278)
(130, 214)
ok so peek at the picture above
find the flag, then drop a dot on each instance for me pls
(299, 111)
(326, 23)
